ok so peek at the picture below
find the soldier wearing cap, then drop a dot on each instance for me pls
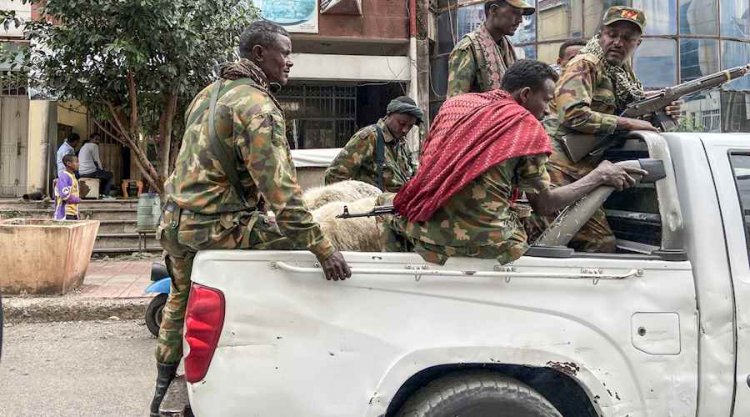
(378, 154)
(479, 60)
(594, 88)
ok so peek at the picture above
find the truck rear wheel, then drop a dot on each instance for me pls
(477, 394)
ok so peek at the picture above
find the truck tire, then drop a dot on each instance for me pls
(153, 313)
(477, 394)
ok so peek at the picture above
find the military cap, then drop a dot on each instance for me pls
(627, 14)
(519, 4)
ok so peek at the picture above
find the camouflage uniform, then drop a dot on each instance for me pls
(478, 221)
(357, 160)
(584, 102)
(205, 211)
(468, 70)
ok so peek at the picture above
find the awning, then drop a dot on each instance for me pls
(306, 158)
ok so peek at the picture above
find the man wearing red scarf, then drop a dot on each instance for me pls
(483, 150)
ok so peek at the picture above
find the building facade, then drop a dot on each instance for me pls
(351, 57)
(684, 40)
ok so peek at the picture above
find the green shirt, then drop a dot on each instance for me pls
(249, 122)
(357, 160)
(480, 214)
(584, 102)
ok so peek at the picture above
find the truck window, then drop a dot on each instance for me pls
(741, 167)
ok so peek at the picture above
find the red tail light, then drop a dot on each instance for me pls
(203, 322)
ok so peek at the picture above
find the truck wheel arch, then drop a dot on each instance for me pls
(559, 388)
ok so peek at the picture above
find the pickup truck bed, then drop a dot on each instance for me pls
(660, 329)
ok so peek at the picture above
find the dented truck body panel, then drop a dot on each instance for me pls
(640, 336)
(295, 344)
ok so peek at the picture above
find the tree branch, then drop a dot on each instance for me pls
(107, 132)
(133, 98)
(118, 122)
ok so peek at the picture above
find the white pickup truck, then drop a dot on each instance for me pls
(661, 328)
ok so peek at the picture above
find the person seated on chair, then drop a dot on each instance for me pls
(91, 165)
(483, 150)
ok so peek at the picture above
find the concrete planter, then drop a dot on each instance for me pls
(41, 256)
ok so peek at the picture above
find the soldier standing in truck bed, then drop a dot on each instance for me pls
(234, 154)
(479, 60)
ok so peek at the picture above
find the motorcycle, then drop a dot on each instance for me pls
(160, 285)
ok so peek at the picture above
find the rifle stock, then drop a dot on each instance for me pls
(580, 145)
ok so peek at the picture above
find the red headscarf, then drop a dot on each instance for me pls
(471, 134)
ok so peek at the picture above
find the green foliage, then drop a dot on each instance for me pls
(690, 124)
(96, 51)
(168, 45)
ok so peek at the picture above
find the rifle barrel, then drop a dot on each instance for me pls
(670, 94)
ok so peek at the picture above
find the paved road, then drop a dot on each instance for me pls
(77, 369)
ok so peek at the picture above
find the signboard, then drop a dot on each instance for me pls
(297, 16)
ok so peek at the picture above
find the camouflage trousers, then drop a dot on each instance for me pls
(182, 236)
(396, 239)
(595, 235)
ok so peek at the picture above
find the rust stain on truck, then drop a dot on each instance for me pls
(568, 368)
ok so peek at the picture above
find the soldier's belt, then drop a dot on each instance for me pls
(171, 206)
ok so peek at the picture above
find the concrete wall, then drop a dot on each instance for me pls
(39, 132)
(22, 10)
(380, 19)
(350, 67)
(73, 113)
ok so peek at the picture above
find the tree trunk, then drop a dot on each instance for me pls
(131, 137)
(166, 123)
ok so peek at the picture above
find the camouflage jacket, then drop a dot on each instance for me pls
(480, 214)
(584, 102)
(249, 121)
(356, 161)
(467, 67)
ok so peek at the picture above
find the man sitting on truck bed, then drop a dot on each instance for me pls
(225, 169)
(595, 86)
(482, 151)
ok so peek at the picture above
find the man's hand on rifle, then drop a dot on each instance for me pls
(674, 110)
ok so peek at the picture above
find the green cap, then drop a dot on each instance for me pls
(521, 4)
(627, 14)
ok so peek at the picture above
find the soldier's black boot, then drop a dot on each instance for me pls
(166, 374)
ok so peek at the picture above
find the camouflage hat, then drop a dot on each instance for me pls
(521, 4)
(627, 14)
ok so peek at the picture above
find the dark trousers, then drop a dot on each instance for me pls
(105, 177)
(71, 217)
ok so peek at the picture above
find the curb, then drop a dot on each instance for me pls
(41, 310)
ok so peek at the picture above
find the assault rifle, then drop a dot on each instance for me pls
(579, 145)
(376, 211)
